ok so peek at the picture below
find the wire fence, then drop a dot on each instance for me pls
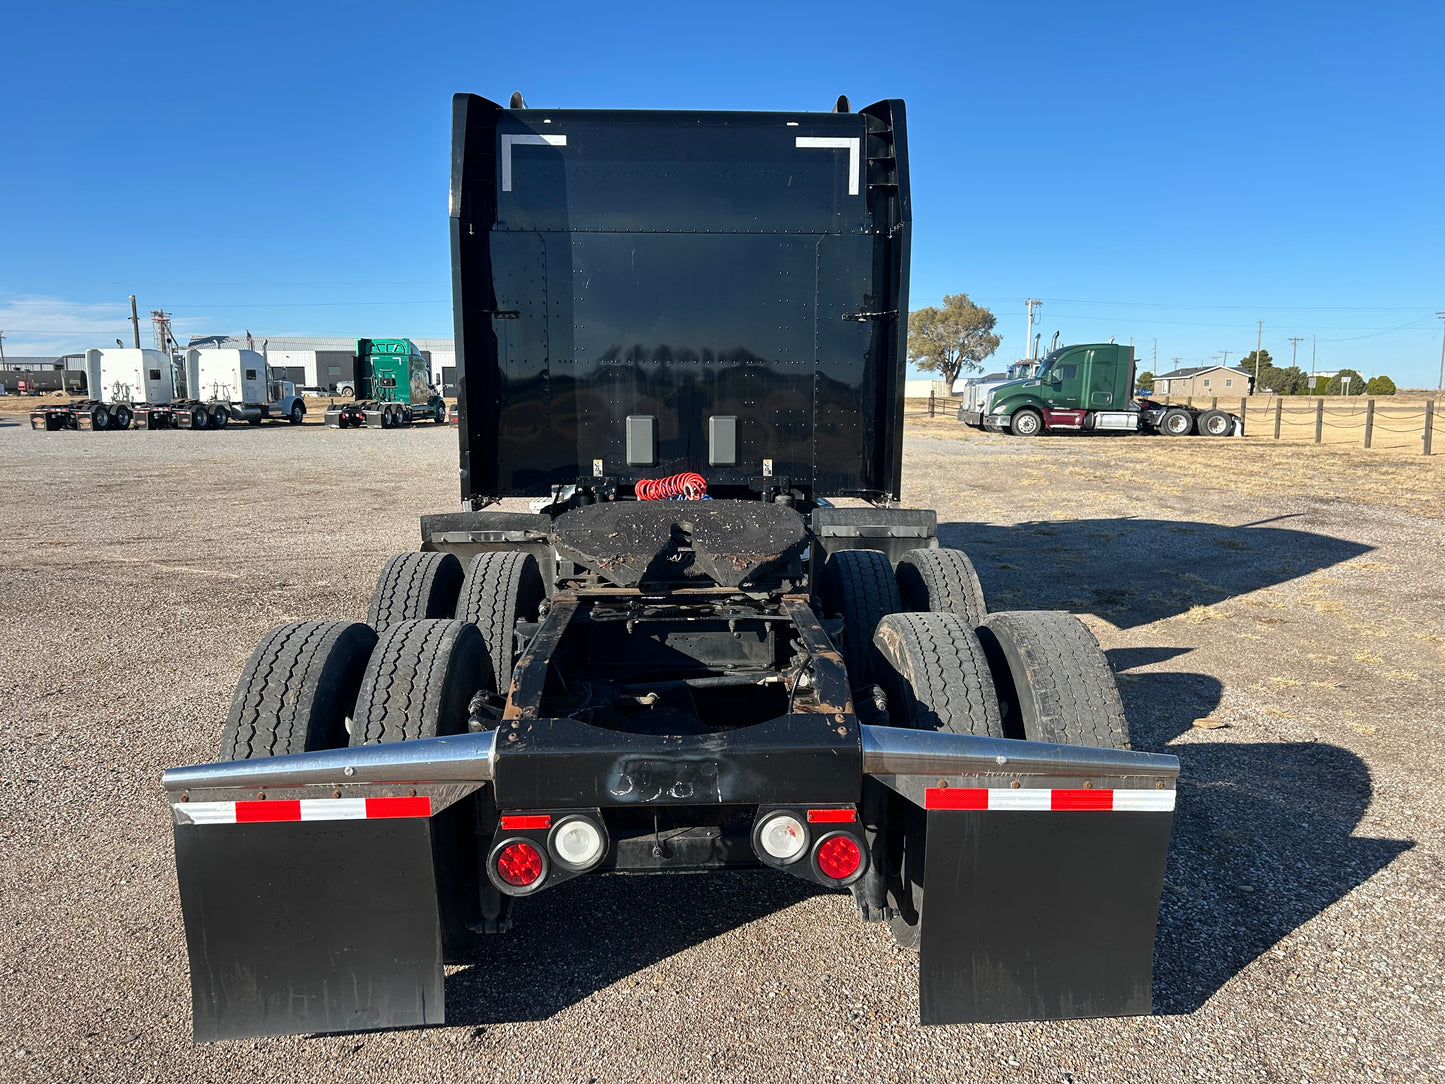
(1356, 421)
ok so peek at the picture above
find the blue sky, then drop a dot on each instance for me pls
(1154, 172)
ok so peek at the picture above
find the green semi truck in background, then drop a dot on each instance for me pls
(1088, 387)
(393, 388)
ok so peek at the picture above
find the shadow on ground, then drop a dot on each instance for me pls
(1134, 571)
(591, 932)
(1262, 844)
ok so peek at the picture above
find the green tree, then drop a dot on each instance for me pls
(949, 340)
(1145, 382)
(1265, 362)
(1380, 385)
(1338, 383)
(1288, 381)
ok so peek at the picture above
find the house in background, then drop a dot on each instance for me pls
(1203, 380)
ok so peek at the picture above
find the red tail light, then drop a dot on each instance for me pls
(839, 857)
(519, 863)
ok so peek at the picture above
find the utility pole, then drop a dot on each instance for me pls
(1258, 348)
(1440, 384)
(1226, 357)
(1031, 302)
(1313, 344)
(1295, 340)
(1155, 362)
(135, 321)
(2, 349)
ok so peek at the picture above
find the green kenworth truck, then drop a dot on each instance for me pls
(393, 388)
(1089, 388)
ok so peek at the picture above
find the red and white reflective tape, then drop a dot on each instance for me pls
(305, 809)
(1006, 799)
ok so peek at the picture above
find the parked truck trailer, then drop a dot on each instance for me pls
(393, 388)
(1088, 388)
(639, 680)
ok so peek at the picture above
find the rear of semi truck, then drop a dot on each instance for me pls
(393, 388)
(682, 335)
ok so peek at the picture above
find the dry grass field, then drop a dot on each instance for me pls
(1275, 614)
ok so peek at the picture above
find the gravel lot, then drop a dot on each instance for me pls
(1303, 929)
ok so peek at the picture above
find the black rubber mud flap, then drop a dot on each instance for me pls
(310, 926)
(1039, 915)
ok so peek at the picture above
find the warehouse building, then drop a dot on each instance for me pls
(326, 362)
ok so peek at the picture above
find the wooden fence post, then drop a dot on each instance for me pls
(1429, 424)
(1369, 420)
(1319, 419)
(1278, 415)
(930, 402)
(1243, 406)
(1214, 403)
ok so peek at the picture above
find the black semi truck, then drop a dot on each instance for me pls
(683, 336)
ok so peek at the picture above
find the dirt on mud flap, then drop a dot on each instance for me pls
(727, 543)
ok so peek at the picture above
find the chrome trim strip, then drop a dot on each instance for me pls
(890, 750)
(460, 757)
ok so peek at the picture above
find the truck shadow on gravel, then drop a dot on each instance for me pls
(1262, 835)
(1262, 844)
(589, 933)
(1134, 571)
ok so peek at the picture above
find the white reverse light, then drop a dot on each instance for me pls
(783, 837)
(577, 842)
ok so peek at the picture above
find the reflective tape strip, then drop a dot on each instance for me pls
(1007, 799)
(305, 809)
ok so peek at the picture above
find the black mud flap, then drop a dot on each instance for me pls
(1039, 915)
(310, 926)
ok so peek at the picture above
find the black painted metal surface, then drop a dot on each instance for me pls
(797, 759)
(679, 266)
(294, 927)
(1039, 915)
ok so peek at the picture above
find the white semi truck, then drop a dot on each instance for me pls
(139, 386)
(119, 382)
(233, 385)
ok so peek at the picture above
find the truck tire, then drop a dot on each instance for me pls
(937, 677)
(298, 413)
(220, 417)
(413, 586)
(199, 417)
(297, 690)
(439, 414)
(501, 587)
(859, 587)
(941, 581)
(99, 417)
(1054, 682)
(420, 681)
(1215, 423)
(121, 419)
(1177, 422)
(1026, 422)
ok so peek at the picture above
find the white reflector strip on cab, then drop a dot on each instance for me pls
(1007, 799)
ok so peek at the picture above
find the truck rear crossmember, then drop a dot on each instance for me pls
(757, 680)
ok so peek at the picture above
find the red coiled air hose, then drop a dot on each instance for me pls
(675, 487)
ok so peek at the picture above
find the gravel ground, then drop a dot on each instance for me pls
(1302, 930)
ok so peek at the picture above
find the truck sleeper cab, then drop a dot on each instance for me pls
(687, 658)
